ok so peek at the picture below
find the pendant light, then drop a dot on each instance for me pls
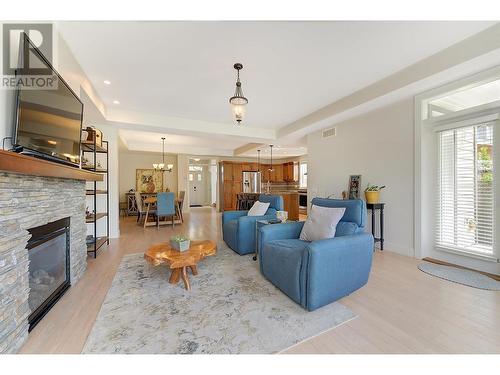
(258, 160)
(161, 166)
(271, 169)
(238, 101)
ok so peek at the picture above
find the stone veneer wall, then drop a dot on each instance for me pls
(27, 202)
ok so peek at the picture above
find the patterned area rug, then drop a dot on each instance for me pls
(460, 276)
(231, 308)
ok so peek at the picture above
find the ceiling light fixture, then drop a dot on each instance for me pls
(161, 166)
(116, 102)
(238, 101)
(271, 169)
(258, 161)
(107, 82)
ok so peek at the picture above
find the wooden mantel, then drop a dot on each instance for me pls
(16, 163)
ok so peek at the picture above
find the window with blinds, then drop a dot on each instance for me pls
(466, 198)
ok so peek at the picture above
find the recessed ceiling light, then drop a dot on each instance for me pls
(107, 82)
(116, 102)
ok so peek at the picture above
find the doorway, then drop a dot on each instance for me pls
(200, 183)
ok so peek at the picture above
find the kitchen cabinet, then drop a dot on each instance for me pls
(291, 205)
(236, 189)
(291, 172)
(228, 195)
(278, 173)
(237, 172)
(227, 169)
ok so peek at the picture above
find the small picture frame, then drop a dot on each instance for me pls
(354, 186)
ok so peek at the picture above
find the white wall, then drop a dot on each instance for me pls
(132, 160)
(379, 146)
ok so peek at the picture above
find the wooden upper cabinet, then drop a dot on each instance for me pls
(278, 173)
(228, 171)
(254, 167)
(291, 172)
(246, 167)
(237, 172)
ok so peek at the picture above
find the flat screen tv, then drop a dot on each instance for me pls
(47, 121)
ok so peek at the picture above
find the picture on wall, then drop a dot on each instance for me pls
(354, 186)
(148, 180)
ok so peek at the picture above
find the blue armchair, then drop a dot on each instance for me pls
(314, 274)
(238, 229)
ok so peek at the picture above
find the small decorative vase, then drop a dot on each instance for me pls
(372, 196)
(181, 246)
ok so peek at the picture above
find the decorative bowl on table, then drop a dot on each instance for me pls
(180, 243)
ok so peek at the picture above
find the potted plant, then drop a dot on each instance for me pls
(372, 193)
(180, 242)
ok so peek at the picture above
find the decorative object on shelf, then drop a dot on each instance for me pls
(282, 216)
(354, 186)
(149, 180)
(94, 135)
(180, 242)
(372, 193)
(238, 101)
(161, 166)
(345, 195)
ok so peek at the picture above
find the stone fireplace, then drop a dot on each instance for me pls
(26, 203)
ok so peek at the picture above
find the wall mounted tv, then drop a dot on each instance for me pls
(47, 120)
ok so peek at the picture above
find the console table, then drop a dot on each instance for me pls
(380, 207)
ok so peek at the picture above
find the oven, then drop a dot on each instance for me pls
(303, 199)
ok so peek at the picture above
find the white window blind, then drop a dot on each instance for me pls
(465, 197)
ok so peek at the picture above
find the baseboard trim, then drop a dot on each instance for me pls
(442, 262)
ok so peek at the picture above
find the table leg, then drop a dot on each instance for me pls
(194, 270)
(146, 217)
(185, 278)
(382, 228)
(175, 275)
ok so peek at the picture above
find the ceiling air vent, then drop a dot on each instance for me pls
(327, 133)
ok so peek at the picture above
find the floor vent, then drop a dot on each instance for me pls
(327, 133)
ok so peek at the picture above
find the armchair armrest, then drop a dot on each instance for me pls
(232, 215)
(337, 267)
(279, 232)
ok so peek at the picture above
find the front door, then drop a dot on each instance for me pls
(196, 188)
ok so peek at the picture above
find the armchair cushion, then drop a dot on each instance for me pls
(321, 223)
(345, 228)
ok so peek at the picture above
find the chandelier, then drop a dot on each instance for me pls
(238, 101)
(161, 166)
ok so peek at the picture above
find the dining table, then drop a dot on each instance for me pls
(151, 201)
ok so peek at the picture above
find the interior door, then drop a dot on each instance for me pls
(196, 188)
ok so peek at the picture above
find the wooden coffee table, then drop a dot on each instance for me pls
(180, 261)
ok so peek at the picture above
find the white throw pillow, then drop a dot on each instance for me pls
(258, 209)
(321, 223)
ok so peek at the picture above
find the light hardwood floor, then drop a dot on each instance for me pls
(400, 310)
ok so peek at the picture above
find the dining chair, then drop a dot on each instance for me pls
(141, 210)
(165, 206)
(182, 194)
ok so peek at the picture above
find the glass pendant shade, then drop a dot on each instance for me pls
(238, 101)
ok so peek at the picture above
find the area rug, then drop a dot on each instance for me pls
(231, 308)
(460, 276)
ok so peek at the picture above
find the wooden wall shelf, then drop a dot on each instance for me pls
(16, 163)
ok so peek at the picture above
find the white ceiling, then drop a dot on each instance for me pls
(176, 143)
(184, 69)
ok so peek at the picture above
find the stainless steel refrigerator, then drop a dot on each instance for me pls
(251, 182)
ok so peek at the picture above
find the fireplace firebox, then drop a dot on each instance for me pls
(49, 267)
